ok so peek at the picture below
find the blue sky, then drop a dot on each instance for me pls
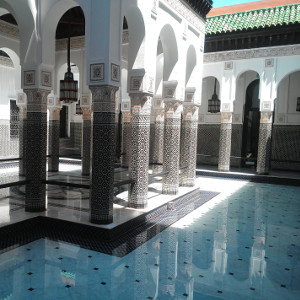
(218, 3)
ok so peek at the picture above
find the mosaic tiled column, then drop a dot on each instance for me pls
(158, 146)
(264, 143)
(225, 142)
(86, 140)
(53, 147)
(22, 138)
(126, 137)
(103, 153)
(36, 144)
(170, 181)
(139, 150)
(188, 147)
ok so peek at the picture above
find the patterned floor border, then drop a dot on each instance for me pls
(118, 241)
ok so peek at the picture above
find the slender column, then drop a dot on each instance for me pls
(36, 144)
(225, 142)
(170, 182)
(103, 153)
(53, 147)
(189, 144)
(158, 146)
(264, 143)
(139, 151)
(86, 140)
(126, 116)
(22, 138)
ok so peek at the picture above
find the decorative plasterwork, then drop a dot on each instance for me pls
(125, 37)
(187, 14)
(6, 61)
(76, 43)
(252, 53)
(9, 29)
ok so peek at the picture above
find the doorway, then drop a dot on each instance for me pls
(251, 125)
(63, 122)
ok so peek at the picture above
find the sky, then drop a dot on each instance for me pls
(218, 3)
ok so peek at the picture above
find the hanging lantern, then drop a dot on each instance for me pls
(214, 102)
(298, 104)
(69, 86)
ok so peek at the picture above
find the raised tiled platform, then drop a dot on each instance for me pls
(117, 241)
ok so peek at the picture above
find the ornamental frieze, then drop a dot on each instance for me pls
(252, 53)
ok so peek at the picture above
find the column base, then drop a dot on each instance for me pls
(187, 182)
(170, 190)
(223, 168)
(138, 205)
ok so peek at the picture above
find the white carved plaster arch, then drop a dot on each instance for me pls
(52, 17)
(191, 63)
(137, 34)
(170, 50)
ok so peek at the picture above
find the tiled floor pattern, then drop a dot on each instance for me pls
(243, 244)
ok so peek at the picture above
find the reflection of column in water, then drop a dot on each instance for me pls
(168, 263)
(258, 263)
(220, 239)
(184, 279)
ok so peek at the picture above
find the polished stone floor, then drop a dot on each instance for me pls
(68, 197)
(242, 244)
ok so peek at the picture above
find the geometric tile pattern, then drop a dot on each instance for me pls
(103, 153)
(225, 147)
(264, 148)
(208, 144)
(36, 143)
(286, 147)
(126, 139)
(236, 144)
(188, 146)
(158, 141)
(170, 183)
(53, 145)
(22, 139)
(139, 149)
(86, 141)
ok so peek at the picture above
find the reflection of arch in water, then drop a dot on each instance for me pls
(251, 125)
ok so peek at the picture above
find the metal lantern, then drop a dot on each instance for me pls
(214, 102)
(68, 86)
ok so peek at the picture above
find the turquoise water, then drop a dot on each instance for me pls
(246, 247)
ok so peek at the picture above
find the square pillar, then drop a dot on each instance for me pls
(103, 153)
(139, 149)
(173, 109)
(86, 140)
(188, 147)
(264, 143)
(225, 141)
(36, 144)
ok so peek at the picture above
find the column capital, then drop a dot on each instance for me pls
(54, 113)
(226, 117)
(140, 104)
(190, 112)
(36, 100)
(86, 113)
(173, 108)
(266, 117)
(103, 98)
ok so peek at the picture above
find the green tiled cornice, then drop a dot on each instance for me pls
(261, 18)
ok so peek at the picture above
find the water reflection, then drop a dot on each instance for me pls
(246, 247)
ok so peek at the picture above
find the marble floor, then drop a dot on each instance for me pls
(68, 196)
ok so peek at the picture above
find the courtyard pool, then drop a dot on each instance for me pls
(245, 246)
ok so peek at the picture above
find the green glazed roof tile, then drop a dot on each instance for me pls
(272, 16)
